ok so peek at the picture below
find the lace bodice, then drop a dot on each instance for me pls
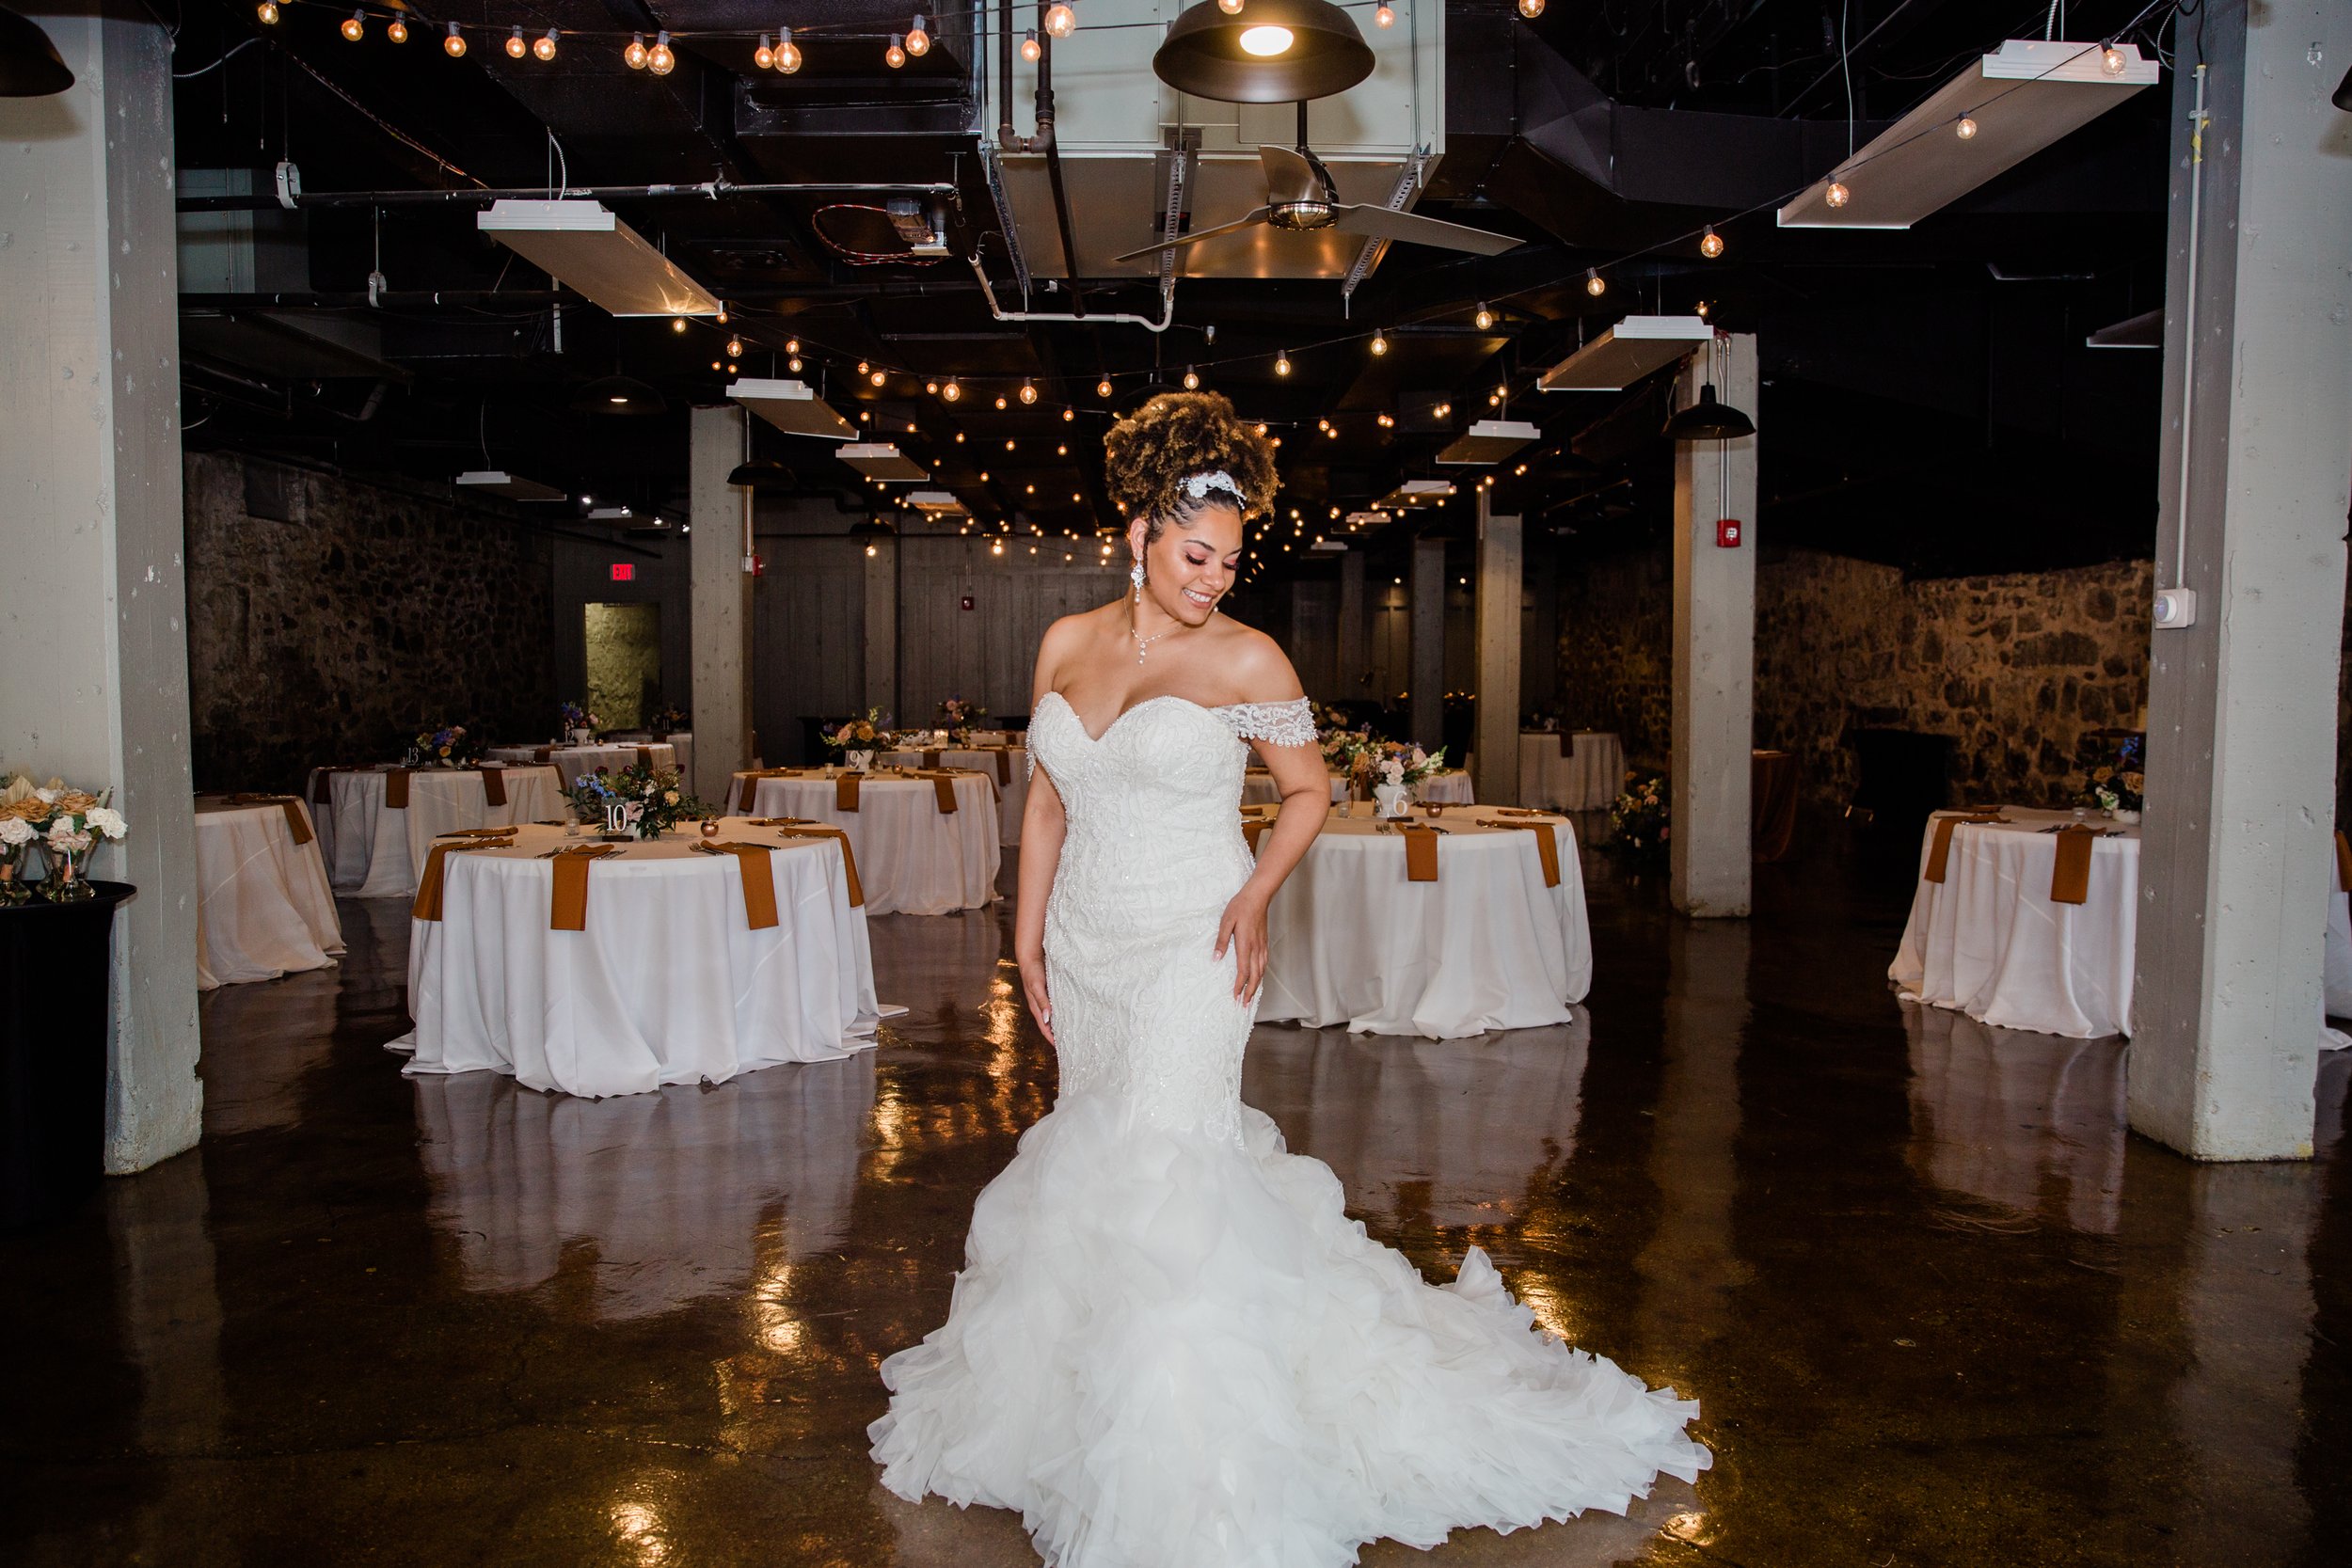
(1151, 853)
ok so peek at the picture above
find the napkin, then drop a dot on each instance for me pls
(568, 908)
(644, 758)
(1939, 857)
(1568, 743)
(543, 754)
(844, 792)
(297, 820)
(396, 789)
(760, 881)
(323, 784)
(1004, 766)
(494, 786)
(1421, 854)
(943, 791)
(932, 757)
(2070, 872)
(1547, 848)
(428, 900)
(792, 828)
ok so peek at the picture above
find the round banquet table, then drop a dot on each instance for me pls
(1007, 765)
(373, 851)
(262, 905)
(1587, 780)
(1450, 787)
(1487, 945)
(913, 858)
(570, 762)
(665, 983)
(681, 744)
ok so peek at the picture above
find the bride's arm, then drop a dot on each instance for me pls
(1305, 785)
(1042, 822)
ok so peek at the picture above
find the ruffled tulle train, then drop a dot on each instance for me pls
(1169, 1351)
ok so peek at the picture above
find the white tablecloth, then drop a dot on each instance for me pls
(681, 742)
(1450, 787)
(1486, 946)
(263, 906)
(570, 762)
(373, 851)
(913, 858)
(1585, 782)
(1012, 793)
(668, 984)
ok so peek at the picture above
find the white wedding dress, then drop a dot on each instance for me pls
(1170, 1347)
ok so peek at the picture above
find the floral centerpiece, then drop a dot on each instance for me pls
(2118, 786)
(639, 800)
(578, 724)
(855, 738)
(958, 717)
(446, 746)
(1638, 815)
(1400, 768)
(668, 721)
(68, 823)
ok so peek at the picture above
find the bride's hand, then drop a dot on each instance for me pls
(1033, 987)
(1244, 927)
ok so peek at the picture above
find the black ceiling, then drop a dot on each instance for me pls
(1928, 399)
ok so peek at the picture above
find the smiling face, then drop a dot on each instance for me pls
(1192, 564)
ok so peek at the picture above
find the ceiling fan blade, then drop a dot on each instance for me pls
(1289, 176)
(1412, 228)
(1193, 238)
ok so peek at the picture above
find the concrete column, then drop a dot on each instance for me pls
(882, 628)
(1501, 596)
(93, 605)
(720, 597)
(1714, 646)
(1428, 613)
(1353, 684)
(2235, 863)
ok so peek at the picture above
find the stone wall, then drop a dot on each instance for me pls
(1616, 637)
(327, 618)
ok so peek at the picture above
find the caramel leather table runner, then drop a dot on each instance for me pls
(2070, 872)
(396, 789)
(1421, 854)
(567, 904)
(793, 827)
(644, 758)
(428, 900)
(297, 822)
(943, 791)
(933, 756)
(1939, 857)
(759, 879)
(845, 791)
(494, 786)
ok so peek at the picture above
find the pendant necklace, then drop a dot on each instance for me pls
(1143, 643)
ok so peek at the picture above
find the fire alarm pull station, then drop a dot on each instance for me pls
(967, 601)
(1728, 533)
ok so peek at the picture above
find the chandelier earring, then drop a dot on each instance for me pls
(1135, 575)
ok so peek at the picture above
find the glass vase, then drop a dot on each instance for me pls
(12, 888)
(68, 880)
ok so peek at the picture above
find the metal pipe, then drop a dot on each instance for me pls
(988, 291)
(709, 190)
(1005, 137)
(300, 299)
(2188, 326)
(1052, 173)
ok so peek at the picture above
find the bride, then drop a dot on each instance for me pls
(1170, 1347)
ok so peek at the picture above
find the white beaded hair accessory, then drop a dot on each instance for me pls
(1198, 486)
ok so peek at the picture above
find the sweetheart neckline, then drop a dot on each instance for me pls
(1137, 708)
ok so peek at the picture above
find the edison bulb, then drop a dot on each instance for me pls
(1595, 284)
(1485, 318)
(1531, 8)
(2112, 60)
(879, 377)
(794, 364)
(1712, 246)
(267, 11)
(791, 346)
(544, 49)
(1192, 379)
(455, 43)
(1379, 342)
(949, 393)
(1000, 403)
(1230, 7)
(397, 31)
(634, 56)
(1837, 195)
(787, 53)
(1028, 391)
(734, 348)
(894, 56)
(1060, 20)
(1384, 17)
(765, 55)
(516, 47)
(678, 323)
(1267, 41)
(1965, 130)
(1068, 415)
(659, 59)
(1030, 49)
(1103, 387)
(1282, 364)
(918, 41)
(356, 26)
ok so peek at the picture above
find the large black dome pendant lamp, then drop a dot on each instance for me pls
(1709, 421)
(29, 63)
(1267, 52)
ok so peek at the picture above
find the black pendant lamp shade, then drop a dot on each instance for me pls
(762, 473)
(1709, 421)
(620, 395)
(29, 64)
(1270, 52)
(872, 528)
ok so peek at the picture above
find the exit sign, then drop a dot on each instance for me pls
(624, 571)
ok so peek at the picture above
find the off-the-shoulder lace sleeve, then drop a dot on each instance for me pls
(1291, 724)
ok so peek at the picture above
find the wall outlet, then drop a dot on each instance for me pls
(2175, 608)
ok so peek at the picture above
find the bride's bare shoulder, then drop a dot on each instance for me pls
(1065, 644)
(1254, 665)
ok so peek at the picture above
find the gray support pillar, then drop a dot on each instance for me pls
(1714, 646)
(720, 597)
(1428, 613)
(882, 628)
(1501, 597)
(2235, 867)
(93, 605)
(1353, 682)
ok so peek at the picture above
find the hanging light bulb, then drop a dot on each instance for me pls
(1192, 379)
(659, 59)
(1531, 8)
(1388, 422)
(1595, 284)
(634, 56)
(356, 26)
(794, 364)
(863, 366)
(397, 31)
(1712, 246)
(1485, 318)
(1230, 7)
(1068, 415)
(950, 393)
(1965, 130)
(455, 43)
(1379, 342)
(894, 56)
(734, 348)
(1384, 16)
(714, 364)
(1282, 363)
(765, 55)
(1029, 49)
(791, 346)
(1061, 20)
(516, 47)
(918, 39)
(2112, 60)
(1837, 195)
(678, 323)
(787, 53)
(267, 11)
(544, 49)
(1103, 387)
(1028, 391)
(879, 377)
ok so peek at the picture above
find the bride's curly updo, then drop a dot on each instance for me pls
(1174, 437)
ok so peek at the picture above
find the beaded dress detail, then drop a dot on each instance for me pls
(1170, 1347)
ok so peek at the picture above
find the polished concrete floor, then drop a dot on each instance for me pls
(1938, 1307)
